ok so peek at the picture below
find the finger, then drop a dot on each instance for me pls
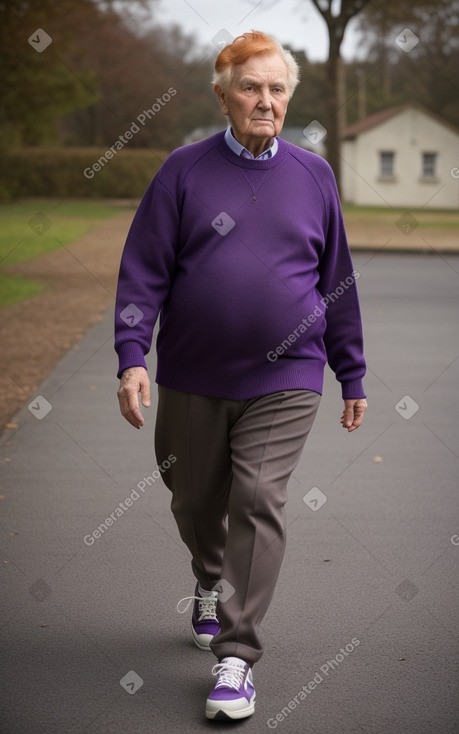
(133, 414)
(145, 392)
(135, 418)
(129, 406)
(359, 411)
(347, 417)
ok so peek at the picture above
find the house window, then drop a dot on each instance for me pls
(429, 165)
(386, 164)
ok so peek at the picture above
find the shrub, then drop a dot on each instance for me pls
(59, 172)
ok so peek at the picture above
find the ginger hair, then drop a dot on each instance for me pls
(247, 45)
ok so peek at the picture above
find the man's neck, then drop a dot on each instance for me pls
(254, 145)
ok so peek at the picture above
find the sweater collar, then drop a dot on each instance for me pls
(239, 149)
(255, 164)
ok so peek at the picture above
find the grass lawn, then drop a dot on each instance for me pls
(427, 218)
(32, 228)
(14, 289)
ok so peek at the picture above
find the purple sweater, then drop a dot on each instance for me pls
(248, 265)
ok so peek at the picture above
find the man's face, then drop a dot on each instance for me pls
(256, 100)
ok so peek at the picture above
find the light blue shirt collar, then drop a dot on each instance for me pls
(237, 148)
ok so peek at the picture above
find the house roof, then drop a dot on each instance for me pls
(378, 118)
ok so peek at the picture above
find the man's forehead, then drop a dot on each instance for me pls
(262, 67)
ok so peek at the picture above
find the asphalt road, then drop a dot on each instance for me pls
(364, 619)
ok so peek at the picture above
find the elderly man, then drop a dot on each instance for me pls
(239, 244)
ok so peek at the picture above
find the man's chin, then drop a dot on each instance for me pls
(263, 129)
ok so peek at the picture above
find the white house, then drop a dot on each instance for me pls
(401, 157)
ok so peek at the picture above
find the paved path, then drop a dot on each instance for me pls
(371, 572)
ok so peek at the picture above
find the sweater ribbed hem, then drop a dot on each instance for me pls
(130, 354)
(352, 390)
(303, 375)
(307, 376)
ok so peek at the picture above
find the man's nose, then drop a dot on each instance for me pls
(264, 101)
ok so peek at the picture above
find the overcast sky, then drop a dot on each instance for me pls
(295, 22)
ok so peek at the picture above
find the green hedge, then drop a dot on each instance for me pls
(60, 172)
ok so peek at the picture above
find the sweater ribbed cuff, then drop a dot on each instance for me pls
(352, 390)
(130, 354)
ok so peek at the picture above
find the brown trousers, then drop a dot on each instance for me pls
(229, 487)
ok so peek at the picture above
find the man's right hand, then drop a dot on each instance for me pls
(133, 381)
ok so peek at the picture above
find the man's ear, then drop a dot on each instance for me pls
(221, 96)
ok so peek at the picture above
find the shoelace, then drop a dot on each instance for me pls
(229, 675)
(207, 606)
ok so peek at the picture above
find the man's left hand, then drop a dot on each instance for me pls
(353, 413)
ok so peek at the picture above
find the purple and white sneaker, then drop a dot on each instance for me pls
(204, 622)
(234, 695)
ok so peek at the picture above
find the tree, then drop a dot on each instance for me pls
(36, 88)
(336, 15)
(428, 72)
(308, 102)
(107, 62)
(134, 68)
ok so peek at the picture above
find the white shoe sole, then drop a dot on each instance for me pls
(222, 710)
(201, 641)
